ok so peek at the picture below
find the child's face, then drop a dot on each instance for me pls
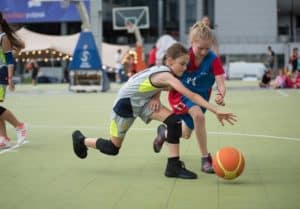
(178, 65)
(201, 47)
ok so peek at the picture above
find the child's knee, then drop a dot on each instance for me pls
(198, 118)
(107, 147)
(186, 135)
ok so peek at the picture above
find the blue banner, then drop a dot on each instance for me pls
(30, 11)
(86, 56)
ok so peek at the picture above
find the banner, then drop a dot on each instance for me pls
(33, 11)
(86, 56)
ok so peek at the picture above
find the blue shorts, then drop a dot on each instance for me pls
(188, 120)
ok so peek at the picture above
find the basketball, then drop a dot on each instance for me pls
(228, 163)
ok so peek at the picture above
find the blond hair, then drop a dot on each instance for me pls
(200, 31)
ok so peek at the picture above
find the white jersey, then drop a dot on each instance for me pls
(137, 92)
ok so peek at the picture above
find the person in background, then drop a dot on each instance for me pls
(297, 80)
(294, 59)
(270, 60)
(9, 43)
(129, 66)
(152, 57)
(35, 68)
(118, 65)
(266, 79)
(280, 80)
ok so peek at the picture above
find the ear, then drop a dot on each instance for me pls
(169, 61)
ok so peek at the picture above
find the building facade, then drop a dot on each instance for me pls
(244, 28)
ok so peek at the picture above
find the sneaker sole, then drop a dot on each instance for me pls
(181, 176)
(79, 149)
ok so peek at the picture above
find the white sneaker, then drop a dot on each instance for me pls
(21, 133)
(4, 143)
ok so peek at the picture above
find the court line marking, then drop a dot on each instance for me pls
(154, 129)
(13, 148)
(256, 135)
(282, 93)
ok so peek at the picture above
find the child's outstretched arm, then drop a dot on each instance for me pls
(221, 116)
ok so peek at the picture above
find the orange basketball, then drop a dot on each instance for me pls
(228, 163)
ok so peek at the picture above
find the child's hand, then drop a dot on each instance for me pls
(220, 99)
(228, 116)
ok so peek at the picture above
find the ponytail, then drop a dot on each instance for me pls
(200, 30)
(16, 42)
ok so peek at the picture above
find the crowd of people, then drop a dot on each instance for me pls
(288, 77)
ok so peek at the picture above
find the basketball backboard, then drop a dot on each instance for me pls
(138, 16)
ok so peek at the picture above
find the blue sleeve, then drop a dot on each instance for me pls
(9, 58)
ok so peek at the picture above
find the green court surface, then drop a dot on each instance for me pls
(45, 174)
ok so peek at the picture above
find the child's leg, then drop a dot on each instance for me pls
(200, 131)
(118, 129)
(3, 128)
(200, 128)
(91, 142)
(186, 131)
(82, 143)
(162, 115)
(175, 168)
(11, 118)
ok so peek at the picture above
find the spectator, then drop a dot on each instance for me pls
(270, 59)
(279, 81)
(34, 67)
(118, 65)
(129, 66)
(66, 74)
(289, 83)
(152, 57)
(297, 80)
(266, 79)
(293, 61)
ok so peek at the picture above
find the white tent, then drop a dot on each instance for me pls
(48, 46)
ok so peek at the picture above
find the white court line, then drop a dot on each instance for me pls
(256, 135)
(282, 93)
(13, 148)
(154, 129)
